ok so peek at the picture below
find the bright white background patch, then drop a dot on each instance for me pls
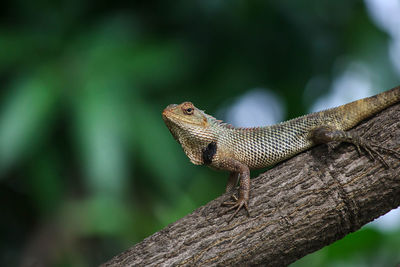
(386, 14)
(258, 107)
(353, 84)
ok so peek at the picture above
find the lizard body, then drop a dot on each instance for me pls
(208, 141)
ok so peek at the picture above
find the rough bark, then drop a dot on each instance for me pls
(297, 207)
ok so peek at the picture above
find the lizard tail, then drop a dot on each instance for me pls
(354, 112)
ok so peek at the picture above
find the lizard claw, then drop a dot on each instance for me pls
(238, 204)
(372, 151)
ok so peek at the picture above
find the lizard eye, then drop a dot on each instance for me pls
(187, 108)
(188, 111)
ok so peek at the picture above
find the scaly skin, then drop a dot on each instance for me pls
(208, 141)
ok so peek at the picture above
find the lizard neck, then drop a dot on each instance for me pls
(196, 140)
(194, 146)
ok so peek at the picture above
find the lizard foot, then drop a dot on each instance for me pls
(325, 134)
(237, 204)
(372, 151)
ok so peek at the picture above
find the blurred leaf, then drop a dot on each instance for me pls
(98, 132)
(25, 117)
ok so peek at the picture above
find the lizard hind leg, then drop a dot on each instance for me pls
(326, 134)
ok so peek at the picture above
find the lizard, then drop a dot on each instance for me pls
(208, 141)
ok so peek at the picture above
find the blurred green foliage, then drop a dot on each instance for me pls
(87, 167)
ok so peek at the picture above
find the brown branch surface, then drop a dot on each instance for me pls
(297, 207)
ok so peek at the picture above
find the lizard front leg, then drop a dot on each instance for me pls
(232, 181)
(241, 170)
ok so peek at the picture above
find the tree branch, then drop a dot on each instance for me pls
(297, 207)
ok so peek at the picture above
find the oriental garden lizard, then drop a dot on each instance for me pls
(208, 141)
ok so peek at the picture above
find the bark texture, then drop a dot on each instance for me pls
(297, 207)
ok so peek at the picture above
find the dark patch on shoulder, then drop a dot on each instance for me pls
(208, 152)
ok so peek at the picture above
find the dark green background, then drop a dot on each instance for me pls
(87, 166)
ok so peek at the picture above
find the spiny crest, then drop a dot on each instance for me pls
(215, 121)
(226, 125)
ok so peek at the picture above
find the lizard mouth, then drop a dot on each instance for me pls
(169, 116)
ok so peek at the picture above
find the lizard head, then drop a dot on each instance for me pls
(184, 115)
(190, 126)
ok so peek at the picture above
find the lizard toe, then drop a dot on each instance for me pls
(238, 205)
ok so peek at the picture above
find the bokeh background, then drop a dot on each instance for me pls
(87, 166)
